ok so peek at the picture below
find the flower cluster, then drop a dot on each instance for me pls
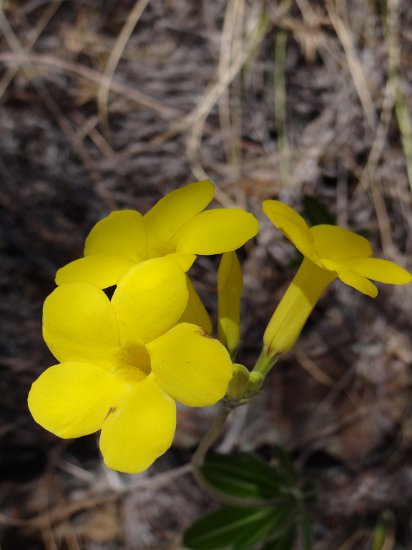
(178, 227)
(124, 362)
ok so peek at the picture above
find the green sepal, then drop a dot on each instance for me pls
(255, 384)
(239, 382)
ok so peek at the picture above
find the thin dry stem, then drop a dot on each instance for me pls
(36, 33)
(115, 56)
(355, 66)
(197, 118)
(53, 107)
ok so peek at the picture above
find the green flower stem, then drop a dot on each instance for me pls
(264, 363)
(211, 436)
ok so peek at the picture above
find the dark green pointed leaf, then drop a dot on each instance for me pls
(229, 527)
(285, 467)
(306, 530)
(274, 526)
(285, 542)
(246, 476)
(309, 493)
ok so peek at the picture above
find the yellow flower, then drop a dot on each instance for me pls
(124, 362)
(230, 286)
(329, 252)
(177, 225)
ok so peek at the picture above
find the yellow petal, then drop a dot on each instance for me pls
(295, 307)
(73, 399)
(382, 271)
(230, 286)
(292, 225)
(216, 231)
(336, 243)
(352, 278)
(184, 259)
(140, 429)
(172, 211)
(195, 311)
(149, 300)
(190, 366)
(79, 324)
(121, 233)
(100, 270)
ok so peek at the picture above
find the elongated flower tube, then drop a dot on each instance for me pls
(230, 286)
(329, 252)
(177, 225)
(195, 311)
(124, 363)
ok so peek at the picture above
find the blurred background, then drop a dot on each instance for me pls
(110, 104)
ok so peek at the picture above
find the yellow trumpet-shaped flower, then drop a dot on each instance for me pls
(124, 362)
(195, 311)
(177, 225)
(230, 286)
(329, 252)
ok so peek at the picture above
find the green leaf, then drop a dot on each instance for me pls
(285, 468)
(245, 475)
(379, 536)
(309, 493)
(306, 530)
(316, 212)
(285, 542)
(228, 527)
(384, 530)
(274, 527)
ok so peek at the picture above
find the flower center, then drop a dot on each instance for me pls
(160, 249)
(133, 363)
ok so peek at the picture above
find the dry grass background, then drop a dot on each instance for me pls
(109, 104)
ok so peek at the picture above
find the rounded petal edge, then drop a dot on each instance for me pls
(121, 233)
(337, 243)
(189, 365)
(352, 278)
(382, 271)
(140, 429)
(101, 270)
(293, 226)
(184, 259)
(150, 299)
(216, 231)
(73, 399)
(80, 324)
(172, 211)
